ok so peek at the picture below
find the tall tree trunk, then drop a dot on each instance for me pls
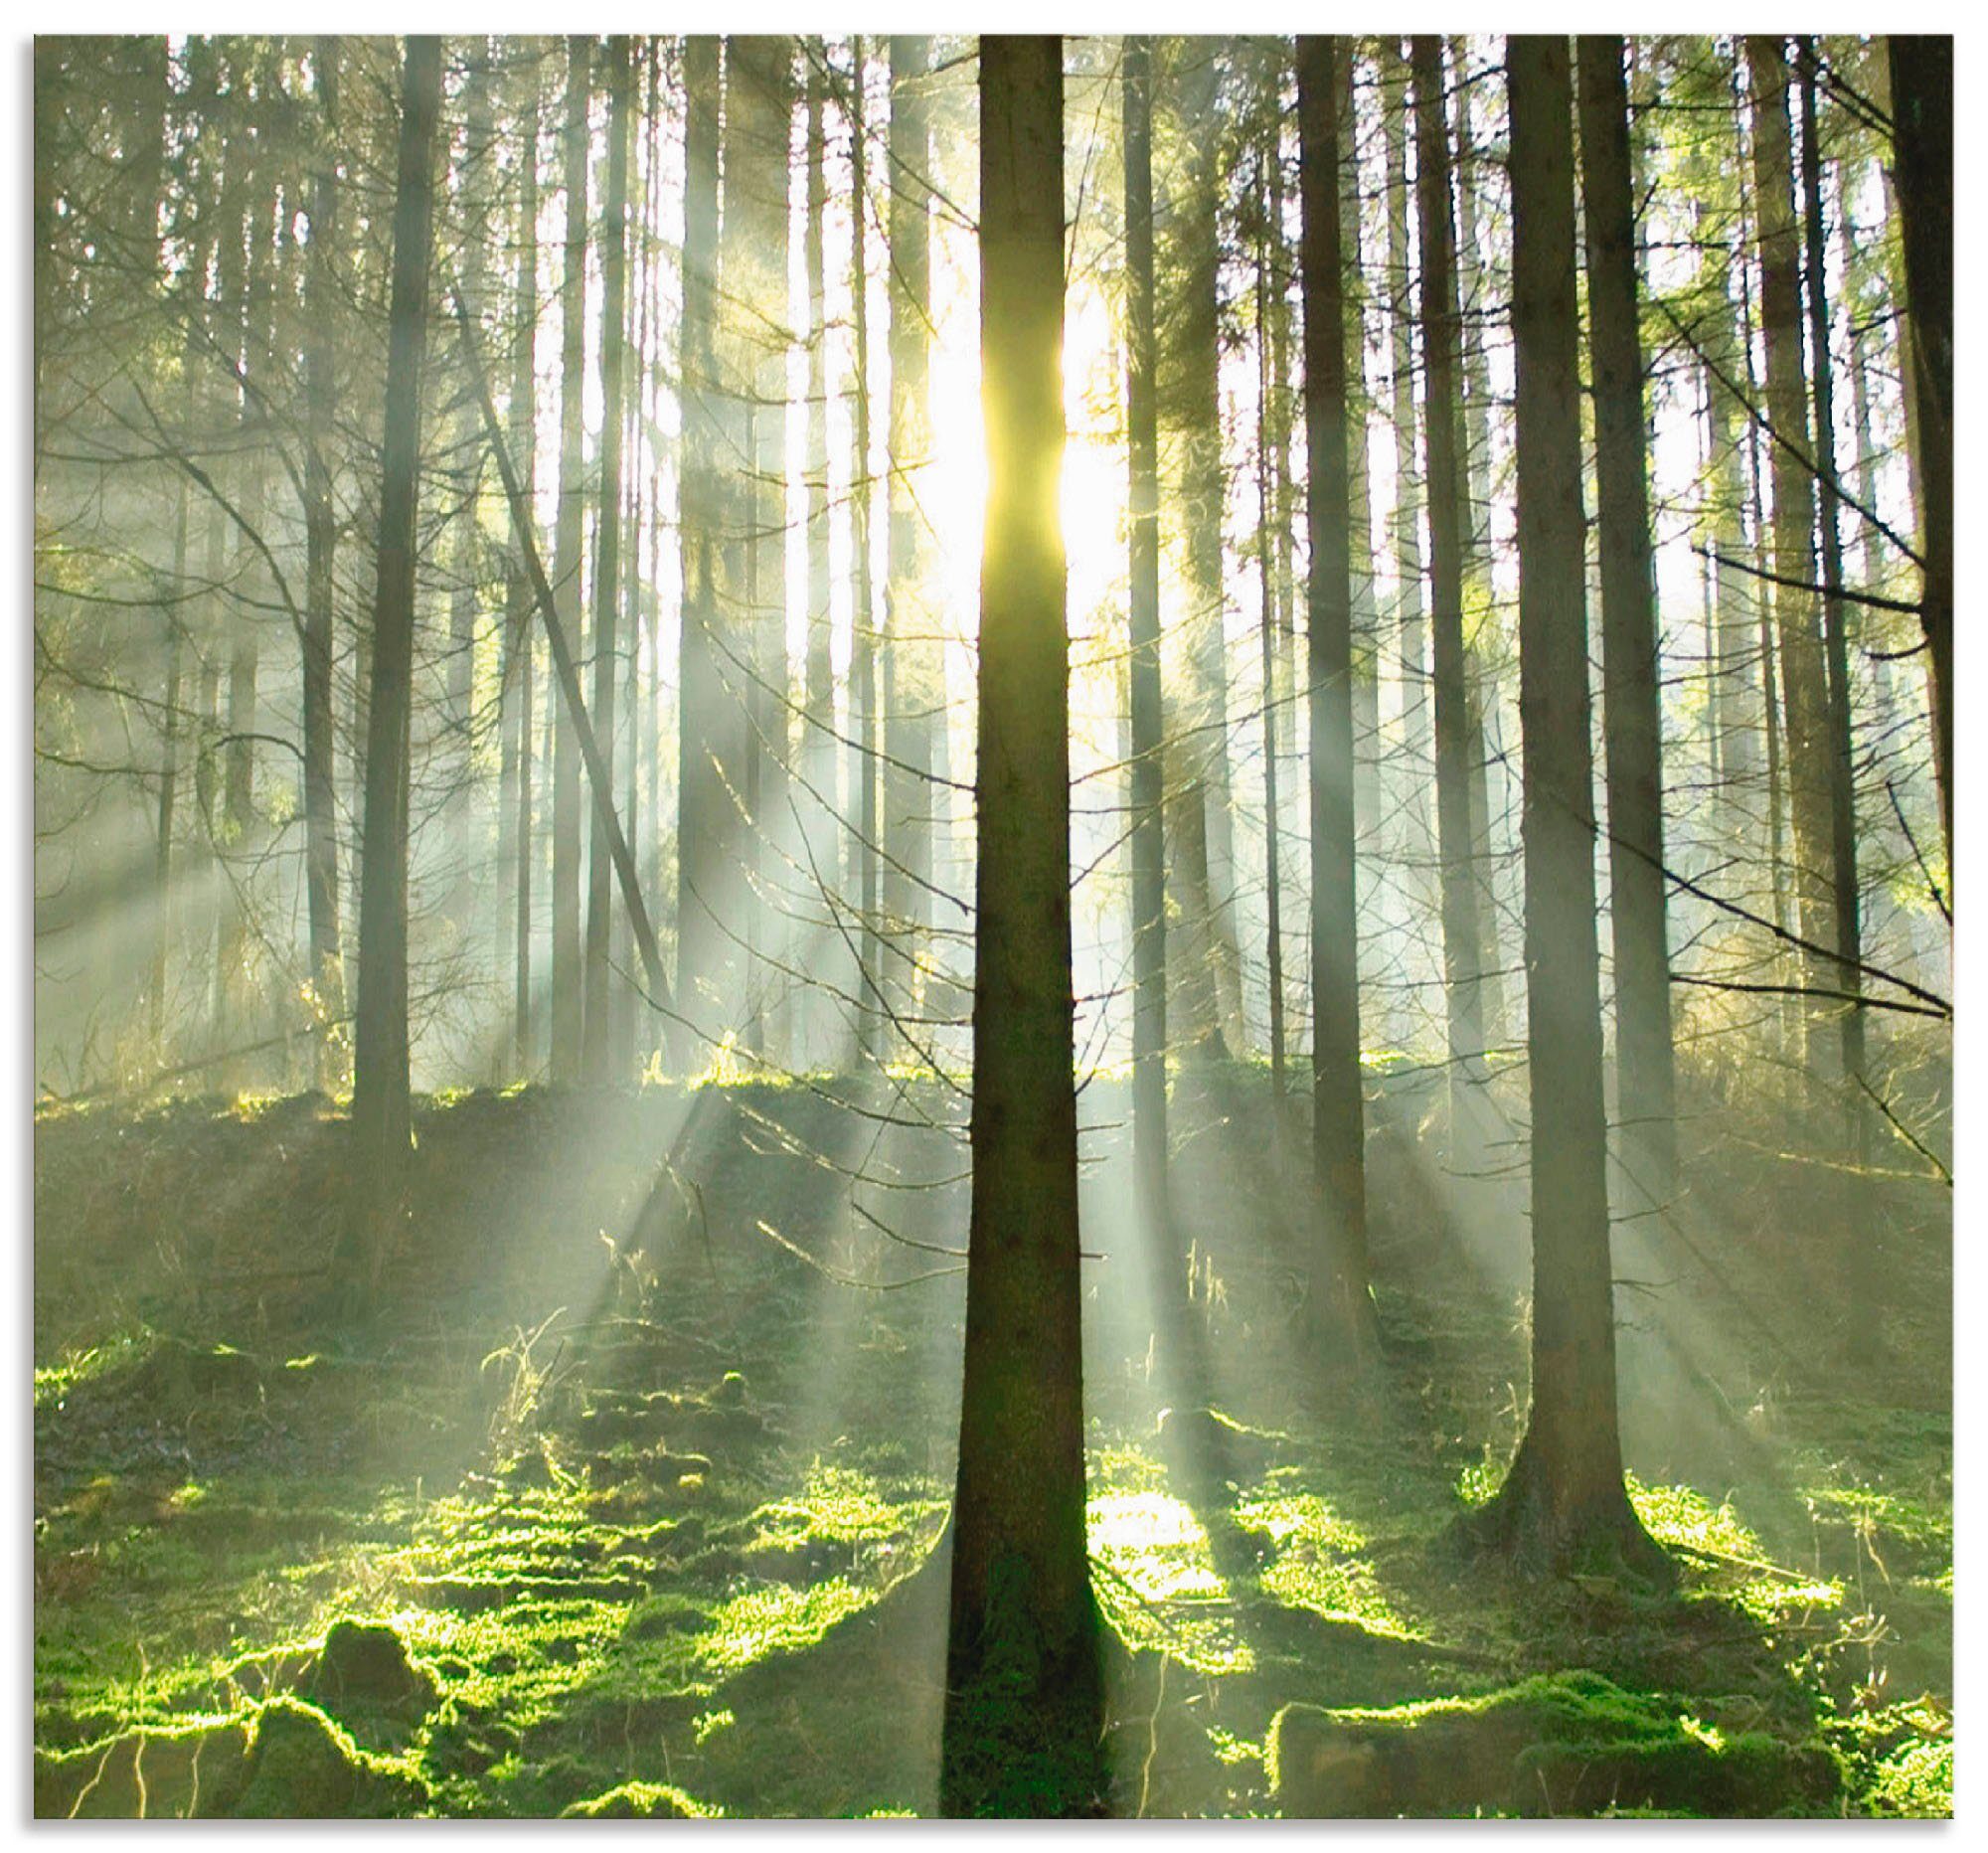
(1847, 904)
(911, 695)
(597, 1040)
(1150, 914)
(327, 968)
(568, 540)
(1359, 401)
(1194, 319)
(1406, 519)
(820, 672)
(1564, 1498)
(520, 675)
(1462, 940)
(1481, 641)
(754, 258)
(1340, 1271)
(381, 1117)
(467, 546)
(1921, 73)
(1266, 564)
(1804, 685)
(865, 821)
(1645, 1084)
(1024, 1687)
(703, 712)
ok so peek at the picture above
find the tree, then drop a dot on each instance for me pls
(1338, 1125)
(568, 539)
(1442, 400)
(1024, 1700)
(913, 694)
(1564, 1498)
(1645, 1082)
(327, 974)
(704, 734)
(1845, 899)
(1804, 686)
(519, 671)
(380, 1115)
(1922, 72)
(866, 817)
(596, 1045)
(1150, 914)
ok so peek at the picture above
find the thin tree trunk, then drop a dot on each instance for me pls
(910, 692)
(1339, 1267)
(703, 713)
(1804, 686)
(1846, 904)
(1645, 1085)
(517, 850)
(381, 1115)
(597, 1037)
(1267, 496)
(1462, 940)
(569, 1002)
(863, 647)
(1405, 521)
(1149, 917)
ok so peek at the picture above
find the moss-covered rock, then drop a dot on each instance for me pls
(364, 1667)
(1557, 1743)
(302, 1766)
(640, 1801)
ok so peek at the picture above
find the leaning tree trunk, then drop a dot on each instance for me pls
(1644, 1070)
(1024, 1687)
(1563, 1499)
(380, 1115)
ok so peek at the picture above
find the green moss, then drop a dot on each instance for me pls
(191, 1769)
(641, 1801)
(364, 1666)
(303, 1766)
(1571, 1742)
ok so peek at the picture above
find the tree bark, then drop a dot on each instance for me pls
(1340, 1268)
(1024, 1700)
(1563, 1499)
(569, 1002)
(1846, 904)
(1804, 686)
(1149, 916)
(597, 1041)
(1645, 1074)
(1462, 940)
(1922, 70)
(381, 1113)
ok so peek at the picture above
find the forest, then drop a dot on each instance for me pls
(992, 926)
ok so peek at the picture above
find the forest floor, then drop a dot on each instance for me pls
(595, 1514)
